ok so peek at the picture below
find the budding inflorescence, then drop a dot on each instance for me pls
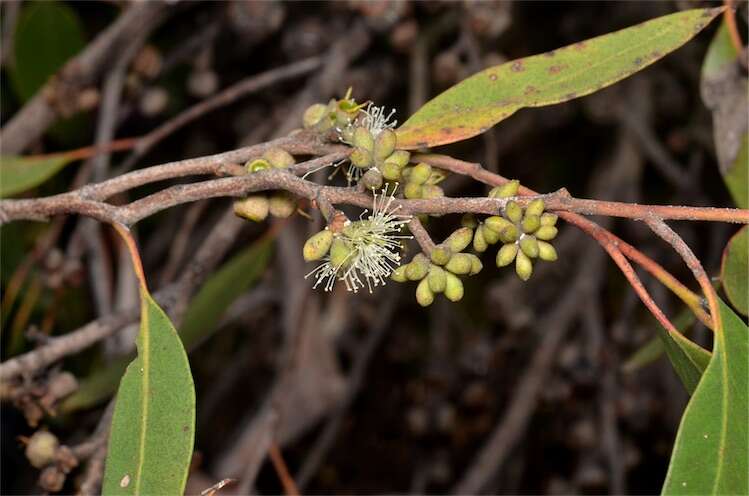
(278, 204)
(364, 252)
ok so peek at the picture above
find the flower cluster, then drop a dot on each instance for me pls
(278, 204)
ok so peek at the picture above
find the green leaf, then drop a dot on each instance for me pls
(477, 103)
(688, 359)
(710, 452)
(734, 270)
(737, 175)
(153, 427)
(18, 174)
(47, 35)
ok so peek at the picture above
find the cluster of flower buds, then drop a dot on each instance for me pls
(373, 154)
(421, 181)
(337, 115)
(524, 233)
(439, 273)
(280, 203)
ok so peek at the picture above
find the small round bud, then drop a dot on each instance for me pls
(523, 266)
(529, 245)
(513, 211)
(254, 208)
(506, 254)
(418, 268)
(424, 295)
(546, 251)
(400, 157)
(497, 223)
(453, 288)
(420, 173)
(479, 243)
(536, 207)
(363, 139)
(548, 219)
(490, 235)
(361, 158)
(372, 179)
(441, 254)
(257, 165)
(314, 114)
(399, 274)
(530, 223)
(459, 239)
(412, 191)
(506, 190)
(436, 278)
(391, 171)
(476, 264)
(546, 233)
(317, 246)
(279, 158)
(509, 234)
(340, 253)
(460, 264)
(281, 205)
(431, 191)
(384, 144)
(469, 220)
(41, 448)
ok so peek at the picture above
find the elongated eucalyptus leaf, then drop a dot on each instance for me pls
(18, 174)
(710, 453)
(734, 270)
(153, 427)
(477, 103)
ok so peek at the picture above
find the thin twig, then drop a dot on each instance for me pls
(282, 470)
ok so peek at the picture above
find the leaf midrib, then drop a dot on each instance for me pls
(145, 329)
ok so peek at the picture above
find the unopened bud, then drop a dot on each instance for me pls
(513, 211)
(424, 295)
(546, 251)
(436, 279)
(523, 266)
(254, 208)
(391, 171)
(530, 223)
(41, 448)
(363, 139)
(536, 207)
(460, 263)
(509, 234)
(490, 235)
(257, 165)
(412, 191)
(497, 223)
(340, 253)
(281, 204)
(420, 173)
(506, 190)
(314, 114)
(476, 264)
(431, 191)
(317, 246)
(506, 254)
(469, 220)
(384, 144)
(372, 179)
(400, 157)
(529, 245)
(441, 254)
(399, 274)
(418, 268)
(459, 239)
(453, 288)
(479, 243)
(361, 158)
(546, 233)
(548, 219)
(279, 158)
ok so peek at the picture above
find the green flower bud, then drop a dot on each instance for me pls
(523, 266)
(384, 144)
(418, 268)
(546, 233)
(340, 253)
(479, 243)
(372, 179)
(459, 239)
(317, 246)
(497, 223)
(513, 211)
(441, 254)
(506, 190)
(490, 235)
(530, 223)
(363, 139)
(509, 234)
(314, 114)
(548, 219)
(430, 192)
(469, 220)
(279, 158)
(424, 295)
(436, 278)
(281, 205)
(391, 171)
(453, 288)
(412, 191)
(399, 274)
(254, 208)
(476, 264)
(546, 251)
(536, 207)
(506, 254)
(436, 176)
(257, 165)
(41, 448)
(529, 245)
(361, 158)
(460, 263)
(400, 157)
(406, 173)
(346, 134)
(420, 173)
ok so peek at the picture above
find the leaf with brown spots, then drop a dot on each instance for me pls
(477, 103)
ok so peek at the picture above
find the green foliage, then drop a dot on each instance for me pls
(47, 35)
(710, 451)
(153, 427)
(737, 176)
(734, 270)
(18, 174)
(477, 103)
